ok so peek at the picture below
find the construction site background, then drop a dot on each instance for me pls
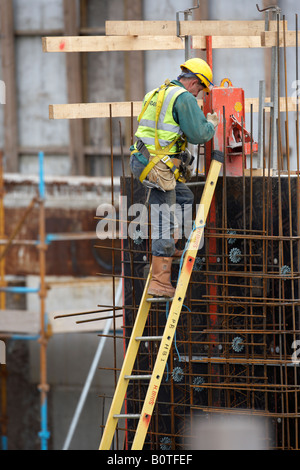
(74, 191)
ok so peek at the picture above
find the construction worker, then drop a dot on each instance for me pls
(170, 118)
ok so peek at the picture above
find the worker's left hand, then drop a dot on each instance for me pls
(187, 172)
(213, 118)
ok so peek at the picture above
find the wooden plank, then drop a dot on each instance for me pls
(269, 38)
(255, 102)
(93, 110)
(258, 172)
(114, 43)
(145, 43)
(187, 28)
(19, 322)
(227, 42)
(123, 109)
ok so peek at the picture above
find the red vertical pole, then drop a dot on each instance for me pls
(209, 51)
(212, 250)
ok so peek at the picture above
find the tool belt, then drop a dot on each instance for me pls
(161, 169)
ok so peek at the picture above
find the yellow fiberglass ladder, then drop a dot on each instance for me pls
(171, 323)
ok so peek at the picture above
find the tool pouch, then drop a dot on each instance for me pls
(163, 176)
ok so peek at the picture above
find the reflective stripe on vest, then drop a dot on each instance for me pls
(168, 130)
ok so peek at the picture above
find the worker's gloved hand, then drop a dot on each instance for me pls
(213, 118)
(188, 173)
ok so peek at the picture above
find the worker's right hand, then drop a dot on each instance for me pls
(213, 118)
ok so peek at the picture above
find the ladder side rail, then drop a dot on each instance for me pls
(175, 310)
(128, 363)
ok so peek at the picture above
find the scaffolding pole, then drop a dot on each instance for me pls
(91, 373)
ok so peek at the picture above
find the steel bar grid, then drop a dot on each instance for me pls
(251, 348)
(245, 362)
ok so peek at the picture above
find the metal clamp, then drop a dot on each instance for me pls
(187, 13)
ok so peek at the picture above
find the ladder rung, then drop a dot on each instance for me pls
(128, 416)
(171, 324)
(159, 299)
(137, 377)
(149, 338)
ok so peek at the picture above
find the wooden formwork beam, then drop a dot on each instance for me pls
(187, 28)
(162, 43)
(123, 109)
(269, 38)
(145, 43)
(94, 110)
(109, 44)
(227, 42)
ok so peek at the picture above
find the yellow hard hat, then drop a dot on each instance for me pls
(202, 70)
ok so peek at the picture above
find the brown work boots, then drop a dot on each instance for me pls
(160, 284)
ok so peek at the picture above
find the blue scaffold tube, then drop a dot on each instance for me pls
(25, 337)
(44, 433)
(52, 237)
(41, 175)
(4, 442)
(20, 289)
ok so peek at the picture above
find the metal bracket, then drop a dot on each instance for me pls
(270, 8)
(274, 11)
(188, 12)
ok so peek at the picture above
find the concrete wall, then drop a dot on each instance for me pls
(41, 78)
(1, 106)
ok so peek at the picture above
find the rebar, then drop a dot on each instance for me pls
(236, 348)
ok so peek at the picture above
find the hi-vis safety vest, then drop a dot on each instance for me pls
(157, 129)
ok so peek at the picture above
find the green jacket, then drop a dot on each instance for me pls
(165, 133)
(191, 120)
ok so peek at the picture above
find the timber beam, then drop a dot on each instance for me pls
(128, 109)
